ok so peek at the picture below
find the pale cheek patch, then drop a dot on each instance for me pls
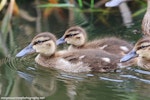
(124, 48)
(80, 41)
(67, 40)
(145, 44)
(70, 40)
(106, 60)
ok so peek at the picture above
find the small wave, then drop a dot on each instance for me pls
(135, 77)
(112, 80)
(142, 72)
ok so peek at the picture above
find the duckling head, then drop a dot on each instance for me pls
(43, 43)
(74, 35)
(141, 49)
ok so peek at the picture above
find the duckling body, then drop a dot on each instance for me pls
(85, 60)
(81, 61)
(112, 45)
(76, 36)
(141, 51)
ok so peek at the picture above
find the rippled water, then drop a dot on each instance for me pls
(30, 80)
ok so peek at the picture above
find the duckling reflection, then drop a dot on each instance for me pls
(1, 88)
(84, 60)
(77, 38)
(141, 50)
(32, 86)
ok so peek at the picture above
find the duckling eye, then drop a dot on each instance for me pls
(38, 42)
(70, 35)
(141, 47)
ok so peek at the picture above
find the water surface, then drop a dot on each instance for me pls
(21, 79)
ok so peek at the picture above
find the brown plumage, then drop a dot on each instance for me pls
(146, 20)
(84, 60)
(141, 51)
(77, 38)
(112, 45)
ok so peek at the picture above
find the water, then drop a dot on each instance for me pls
(22, 79)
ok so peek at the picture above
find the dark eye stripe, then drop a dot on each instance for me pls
(70, 35)
(37, 42)
(141, 47)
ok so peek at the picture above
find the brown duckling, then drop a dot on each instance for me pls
(141, 51)
(77, 37)
(146, 21)
(85, 60)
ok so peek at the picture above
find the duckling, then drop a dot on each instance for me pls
(146, 21)
(77, 37)
(85, 60)
(141, 51)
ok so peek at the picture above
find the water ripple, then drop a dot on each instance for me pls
(112, 80)
(142, 72)
(129, 76)
(26, 76)
(10, 62)
(71, 77)
(135, 77)
(30, 68)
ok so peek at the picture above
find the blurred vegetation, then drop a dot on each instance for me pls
(25, 18)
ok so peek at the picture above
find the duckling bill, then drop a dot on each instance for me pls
(132, 54)
(27, 50)
(85, 60)
(60, 41)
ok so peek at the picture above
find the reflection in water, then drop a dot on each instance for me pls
(37, 84)
(21, 78)
(1, 84)
(134, 77)
(26, 76)
(108, 79)
(142, 72)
